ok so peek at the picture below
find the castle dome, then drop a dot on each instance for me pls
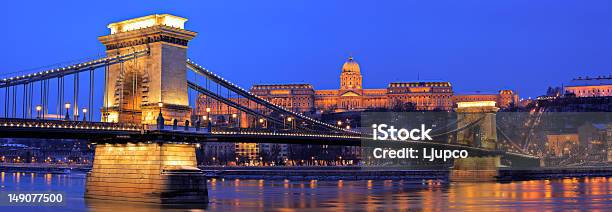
(351, 66)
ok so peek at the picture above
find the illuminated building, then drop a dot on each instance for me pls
(247, 152)
(594, 138)
(562, 144)
(503, 99)
(351, 96)
(590, 87)
(426, 95)
(298, 97)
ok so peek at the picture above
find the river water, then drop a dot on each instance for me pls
(593, 194)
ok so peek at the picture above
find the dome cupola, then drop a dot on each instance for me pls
(351, 66)
(350, 78)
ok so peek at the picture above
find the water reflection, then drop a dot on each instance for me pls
(264, 195)
(537, 195)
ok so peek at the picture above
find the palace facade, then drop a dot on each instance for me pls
(351, 96)
(590, 87)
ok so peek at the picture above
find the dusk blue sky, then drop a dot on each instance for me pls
(476, 45)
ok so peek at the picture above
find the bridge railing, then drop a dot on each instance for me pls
(243, 131)
(61, 124)
(282, 132)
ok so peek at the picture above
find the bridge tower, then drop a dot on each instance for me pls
(478, 128)
(154, 171)
(481, 115)
(135, 88)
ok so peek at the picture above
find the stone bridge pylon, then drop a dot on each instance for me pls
(138, 90)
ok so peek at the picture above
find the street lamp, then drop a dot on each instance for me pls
(160, 116)
(290, 120)
(232, 119)
(208, 120)
(339, 123)
(38, 109)
(84, 114)
(67, 106)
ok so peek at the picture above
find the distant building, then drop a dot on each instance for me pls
(590, 87)
(594, 138)
(247, 152)
(219, 152)
(274, 152)
(351, 96)
(562, 144)
(503, 99)
(526, 102)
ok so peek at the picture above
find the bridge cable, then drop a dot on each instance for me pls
(91, 93)
(75, 110)
(106, 99)
(209, 75)
(14, 102)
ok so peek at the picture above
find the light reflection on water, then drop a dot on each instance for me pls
(260, 195)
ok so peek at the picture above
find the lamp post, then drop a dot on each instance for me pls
(339, 123)
(67, 106)
(233, 118)
(208, 120)
(283, 118)
(261, 123)
(84, 114)
(290, 120)
(160, 116)
(38, 109)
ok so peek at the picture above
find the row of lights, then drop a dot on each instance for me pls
(74, 127)
(77, 66)
(71, 127)
(284, 134)
(296, 114)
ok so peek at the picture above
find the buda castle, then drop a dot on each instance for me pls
(351, 96)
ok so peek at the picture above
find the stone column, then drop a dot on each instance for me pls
(475, 169)
(146, 172)
(483, 134)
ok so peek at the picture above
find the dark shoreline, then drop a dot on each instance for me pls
(345, 173)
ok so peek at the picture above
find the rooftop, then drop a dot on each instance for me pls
(148, 21)
(588, 81)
